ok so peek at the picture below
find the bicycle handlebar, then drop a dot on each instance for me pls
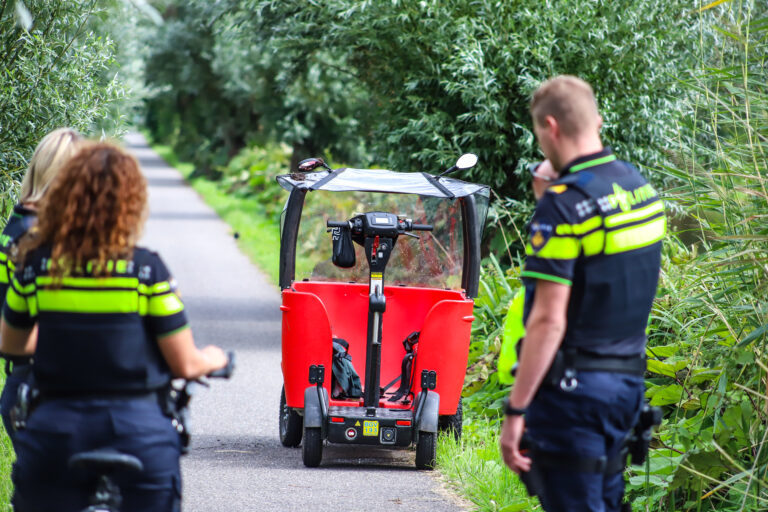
(226, 372)
(422, 227)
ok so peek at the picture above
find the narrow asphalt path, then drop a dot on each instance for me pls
(236, 462)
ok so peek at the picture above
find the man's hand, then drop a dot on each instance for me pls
(511, 433)
(543, 177)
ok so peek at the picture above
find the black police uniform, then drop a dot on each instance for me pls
(17, 369)
(597, 229)
(99, 371)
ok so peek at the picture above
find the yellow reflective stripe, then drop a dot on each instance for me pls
(3, 257)
(129, 283)
(592, 163)
(4, 273)
(634, 215)
(15, 301)
(143, 305)
(165, 305)
(579, 229)
(592, 244)
(33, 307)
(24, 290)
(635, 237)
(162, 286)
(546, 277)
(556, 248)
(79, 301)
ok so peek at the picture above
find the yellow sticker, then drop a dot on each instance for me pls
(370, 428)
(376, 275)
(357, 423)
(558, 189)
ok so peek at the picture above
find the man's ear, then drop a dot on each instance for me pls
(552, 126)
(599, 122)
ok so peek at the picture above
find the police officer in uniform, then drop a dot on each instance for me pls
(591, 272)
(49, 156)
(112, 331)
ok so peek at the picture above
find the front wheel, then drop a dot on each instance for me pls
(291, 424)
(312, 448)
(426, 451)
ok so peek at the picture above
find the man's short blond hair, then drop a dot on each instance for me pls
(570, 100)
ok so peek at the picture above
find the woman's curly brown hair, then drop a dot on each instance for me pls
(92, 213)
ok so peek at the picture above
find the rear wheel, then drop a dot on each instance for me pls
(291, 424)
(452, 423)
(426, 451)
(312, 448)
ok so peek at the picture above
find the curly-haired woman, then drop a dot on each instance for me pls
(50, 155)
(111, 333)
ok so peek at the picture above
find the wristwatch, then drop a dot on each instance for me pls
(512, 411)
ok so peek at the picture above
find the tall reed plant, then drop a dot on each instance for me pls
(709, 328)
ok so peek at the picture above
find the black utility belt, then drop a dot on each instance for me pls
(14, 362)
(152, 395)
(568, 362)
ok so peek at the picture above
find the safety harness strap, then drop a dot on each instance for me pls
(406, 367)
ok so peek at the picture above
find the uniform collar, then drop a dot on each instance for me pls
(23, 211)
(586, 161)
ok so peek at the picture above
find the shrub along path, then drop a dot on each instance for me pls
(236, 461)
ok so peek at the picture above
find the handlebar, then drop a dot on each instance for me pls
(226, 372)
(422, 227)
(338, 224)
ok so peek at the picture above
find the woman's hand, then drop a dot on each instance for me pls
(216, 356)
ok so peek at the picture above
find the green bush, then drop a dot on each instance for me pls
(54, 70)
(453, 76)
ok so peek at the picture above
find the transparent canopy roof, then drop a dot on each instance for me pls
(382, 180)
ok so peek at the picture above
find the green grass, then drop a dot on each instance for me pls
(474, 468)
(258, 236)
(6, 461)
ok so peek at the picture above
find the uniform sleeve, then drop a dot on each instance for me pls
(165, 310)
(553, 246)
(20, 308)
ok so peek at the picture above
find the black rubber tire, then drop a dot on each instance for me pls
(312, 447)
(291, 424)
(452, 422)
(426, 451)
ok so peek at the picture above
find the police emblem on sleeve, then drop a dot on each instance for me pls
(541, 231)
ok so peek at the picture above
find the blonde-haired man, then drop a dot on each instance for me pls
(593, 261)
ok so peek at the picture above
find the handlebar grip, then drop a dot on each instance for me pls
(338, 224)
(422, 227)
(226, 372)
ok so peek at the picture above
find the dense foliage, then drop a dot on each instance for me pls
(410, 85)
(55, 72)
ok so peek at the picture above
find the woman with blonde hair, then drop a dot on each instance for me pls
(112, 332)
(50, 155)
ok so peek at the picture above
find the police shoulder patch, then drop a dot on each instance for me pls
(541, 231)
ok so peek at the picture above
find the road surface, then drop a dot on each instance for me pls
(236, 462)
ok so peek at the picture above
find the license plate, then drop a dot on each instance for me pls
(370, 428)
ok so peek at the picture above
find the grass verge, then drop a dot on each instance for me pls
(257, 235)
(474, 468)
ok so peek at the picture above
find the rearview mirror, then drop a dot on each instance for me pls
(466, 161)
